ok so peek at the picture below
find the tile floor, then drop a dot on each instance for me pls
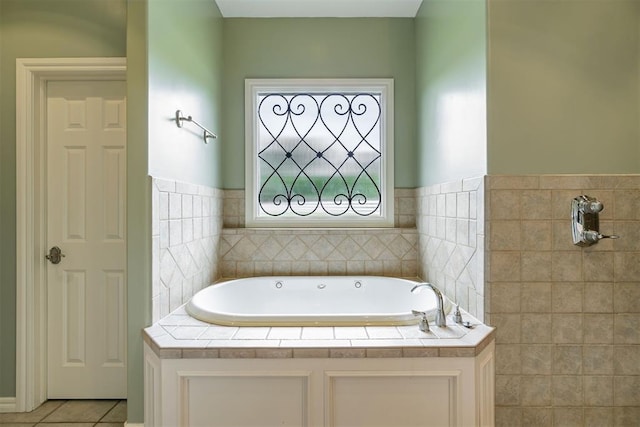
(70, 413)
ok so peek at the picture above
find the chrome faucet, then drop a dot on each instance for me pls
(441, 318)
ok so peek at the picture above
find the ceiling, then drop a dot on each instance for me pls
(318, 8)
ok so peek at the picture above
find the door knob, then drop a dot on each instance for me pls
(55, 255)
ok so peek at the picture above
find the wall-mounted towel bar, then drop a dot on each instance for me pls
(207, 132)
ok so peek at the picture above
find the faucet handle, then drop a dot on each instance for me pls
(592, 236)
(457, 316)
(590, 205)
(424, 323)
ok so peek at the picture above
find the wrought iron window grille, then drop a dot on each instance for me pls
(319, 152)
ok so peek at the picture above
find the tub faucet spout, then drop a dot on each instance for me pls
(441, 318)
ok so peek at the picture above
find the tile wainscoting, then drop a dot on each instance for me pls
(450, 223)
(186, 228)
(567, 317)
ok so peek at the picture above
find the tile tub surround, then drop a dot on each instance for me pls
(263, 252)
(567, 318)
(450, 223)
(246, 252)
(186, 228)
(181, 336)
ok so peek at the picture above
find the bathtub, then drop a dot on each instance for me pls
(312, 301)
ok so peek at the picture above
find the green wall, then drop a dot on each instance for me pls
(38, 29)
(138, 204)
(185, 57)
(563, 78)
(322, 48)
(451, 90)
(174, 62)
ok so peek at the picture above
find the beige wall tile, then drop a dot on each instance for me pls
(626, 416)
(598, 266)
(568, 417)
(522, 182)
(575, 182)
(504, 266)
(535, 390)
(598, 297)
(507, 328)
(567, 297)
(625, 390)
(541, 417)
(536, 266)
(536, 235)
(629, 232)
(506, 416)
(598, 417)
(505, 235)
(505, 297)
(598, 390)
(508, 358)
(536, 359)
(566, 328)
(598, 328)
(597, 360)
(567, 360)
(507, 389)
(626, 329)
(627, 267)
(536, 204)
(566, 266)
(627, 204)
(535, 297)
(567, 390)
(626, 360)
(536, 328)
(505, 204)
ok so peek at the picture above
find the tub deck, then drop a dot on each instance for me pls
(182, 336)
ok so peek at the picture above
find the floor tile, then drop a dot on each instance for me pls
(31, 417)
(117, 415)
(17, 424)
(81, 411)
(64, 425)
(108, 425)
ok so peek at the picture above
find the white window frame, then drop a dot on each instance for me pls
(255, 86)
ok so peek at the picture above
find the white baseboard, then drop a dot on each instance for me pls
(7, 404)
(126, 424)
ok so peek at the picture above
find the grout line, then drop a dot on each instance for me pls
(110, 409)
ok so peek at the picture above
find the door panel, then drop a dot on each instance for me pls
(86, 196)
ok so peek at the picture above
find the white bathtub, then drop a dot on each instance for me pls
(312, 300)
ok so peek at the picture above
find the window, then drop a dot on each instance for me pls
(319, 153)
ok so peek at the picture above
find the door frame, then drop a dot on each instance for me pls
(32, 75)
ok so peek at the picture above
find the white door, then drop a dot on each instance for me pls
(86, 212)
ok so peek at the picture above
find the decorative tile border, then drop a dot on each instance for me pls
(253, 252)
